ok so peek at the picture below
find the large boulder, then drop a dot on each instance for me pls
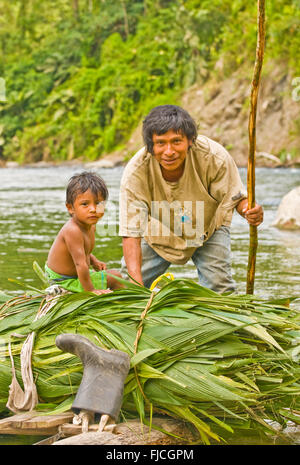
(288, 213)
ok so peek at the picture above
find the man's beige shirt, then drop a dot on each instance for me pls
(175, 218)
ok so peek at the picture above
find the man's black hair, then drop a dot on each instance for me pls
(164, 118)
(80, 183)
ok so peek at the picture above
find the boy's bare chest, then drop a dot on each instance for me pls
(89, 241)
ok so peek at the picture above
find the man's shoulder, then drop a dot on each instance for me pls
(209, 147)
(206, 150)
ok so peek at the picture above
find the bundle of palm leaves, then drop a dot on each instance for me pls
(216, 361)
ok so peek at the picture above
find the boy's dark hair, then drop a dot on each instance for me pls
(80, 183)
(164, 118)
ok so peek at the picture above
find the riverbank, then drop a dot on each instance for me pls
(109, 161)
(120, 158)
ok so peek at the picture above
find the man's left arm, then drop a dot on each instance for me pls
(227, 188)
(254, 216)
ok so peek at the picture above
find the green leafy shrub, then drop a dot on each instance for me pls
(78, 82)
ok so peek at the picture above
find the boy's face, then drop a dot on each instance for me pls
(87, 208)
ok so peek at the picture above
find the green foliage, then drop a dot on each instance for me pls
(238, 36)
(79, 80)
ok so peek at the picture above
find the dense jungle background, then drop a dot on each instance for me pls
(80, 75)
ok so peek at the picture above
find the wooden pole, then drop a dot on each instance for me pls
(252, 140)
(126, 24)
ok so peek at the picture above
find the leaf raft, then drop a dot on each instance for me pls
(219, 362)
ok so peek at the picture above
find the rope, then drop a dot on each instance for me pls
(27, 399)
(15, 301)
(141, 325)
(138, 335)
(166, 275)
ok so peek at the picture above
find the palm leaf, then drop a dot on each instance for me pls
(209, 359)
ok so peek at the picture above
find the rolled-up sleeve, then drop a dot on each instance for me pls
(134, 198)
(226, 186)
(133, 214)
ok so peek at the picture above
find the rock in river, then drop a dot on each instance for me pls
(288, 213)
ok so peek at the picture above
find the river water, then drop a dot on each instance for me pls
(32, 210)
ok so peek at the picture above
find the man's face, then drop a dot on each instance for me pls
(170, 150)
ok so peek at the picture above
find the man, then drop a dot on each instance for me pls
(177, 198)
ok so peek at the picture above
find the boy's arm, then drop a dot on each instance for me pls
(75, 244)
(96, 264)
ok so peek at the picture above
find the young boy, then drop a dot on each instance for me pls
(70, 256)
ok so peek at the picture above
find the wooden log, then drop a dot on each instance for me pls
(290, 435)
(33, 423)
(132, 432)
(48, 421)
(30, 431)
(15, 420)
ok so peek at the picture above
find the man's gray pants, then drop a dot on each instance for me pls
(212, 260)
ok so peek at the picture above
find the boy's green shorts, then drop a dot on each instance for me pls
(72, 283)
